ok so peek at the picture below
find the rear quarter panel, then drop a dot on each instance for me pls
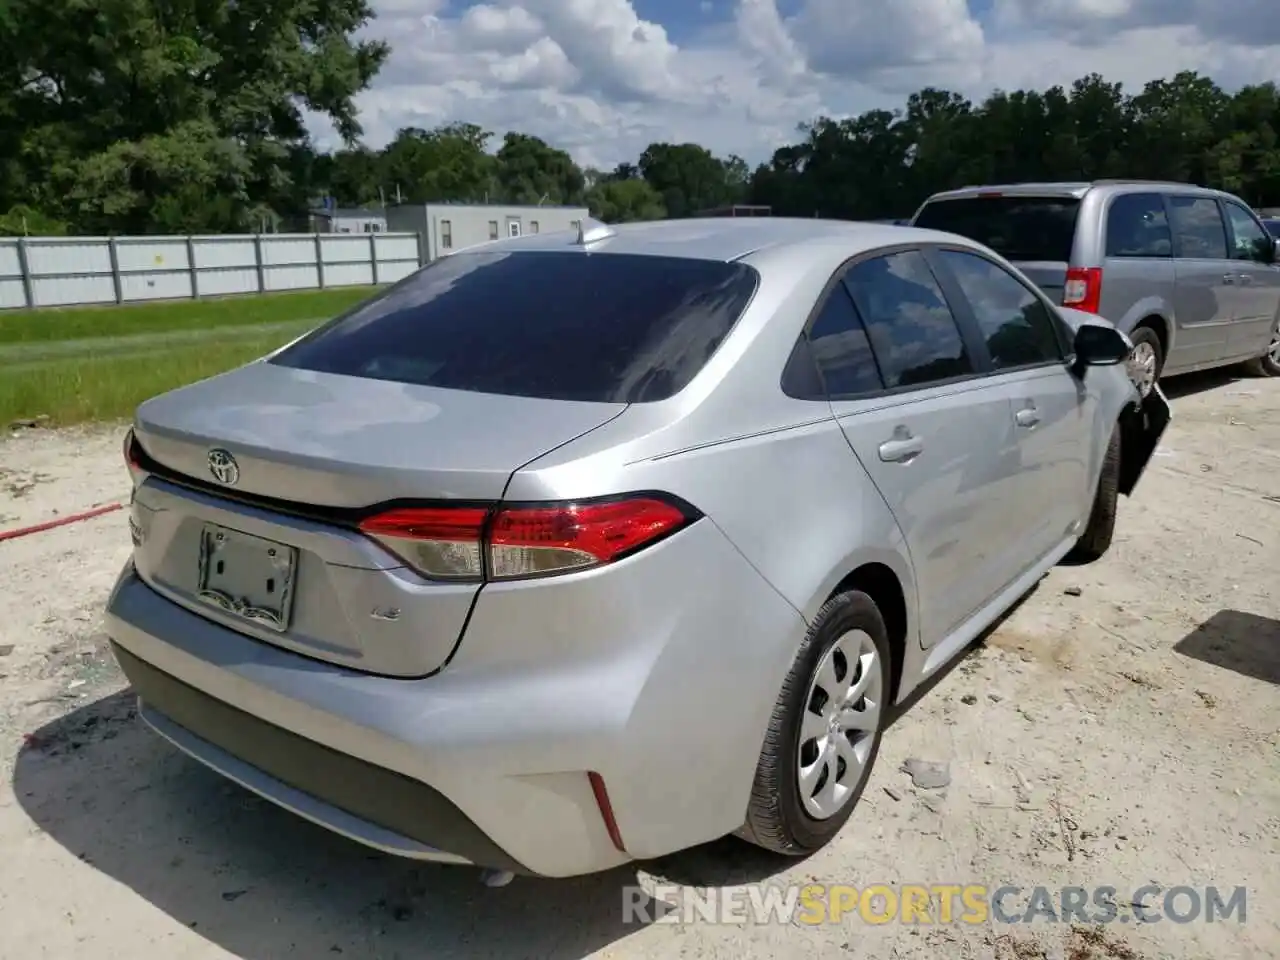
(774, 473)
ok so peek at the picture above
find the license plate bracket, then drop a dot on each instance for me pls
(247, 576)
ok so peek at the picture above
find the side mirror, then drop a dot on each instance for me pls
(1099, 346)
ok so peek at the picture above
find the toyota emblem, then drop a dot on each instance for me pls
(223, 466)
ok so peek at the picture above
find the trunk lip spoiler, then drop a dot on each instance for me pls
(347, 517)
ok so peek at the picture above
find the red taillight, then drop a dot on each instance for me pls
(531, 540)
(133, 456)
(1083, 289)
(442, 542)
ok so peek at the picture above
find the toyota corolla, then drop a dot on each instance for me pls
(575, 549)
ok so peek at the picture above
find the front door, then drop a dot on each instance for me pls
(1049, 409)
(1257, 293)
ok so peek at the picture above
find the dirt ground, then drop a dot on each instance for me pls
(1121, 728)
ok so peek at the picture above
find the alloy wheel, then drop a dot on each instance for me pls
(1142, 367)
(841, 718)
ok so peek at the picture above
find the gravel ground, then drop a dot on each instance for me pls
(1119, 728)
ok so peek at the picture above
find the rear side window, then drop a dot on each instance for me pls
(562, 326)
(1137, 227)
(841, 349)
(915, 338)
(1198, 225)
(1273, 227)
(1017, 228)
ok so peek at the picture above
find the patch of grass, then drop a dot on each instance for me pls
(109, 385)
(49, 325)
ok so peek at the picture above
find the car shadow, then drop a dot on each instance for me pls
(1243, 642)
(1186, 384)
(262, 883)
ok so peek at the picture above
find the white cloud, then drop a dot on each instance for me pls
(596, 78)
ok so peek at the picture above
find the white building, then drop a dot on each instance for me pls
(348, 220)
(445, 227)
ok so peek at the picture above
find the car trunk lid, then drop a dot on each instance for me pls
(271, 548)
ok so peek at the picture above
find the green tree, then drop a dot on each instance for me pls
(690, 178)
(530, 171)
(626, 200)
(137, 116)
(449, 162)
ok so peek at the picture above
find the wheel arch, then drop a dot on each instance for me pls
(879, 582)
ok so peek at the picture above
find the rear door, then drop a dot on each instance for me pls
(1204, 286)
(1138, 275)
(1051, 412)
(1036, 232)
(1257, 297)
(936, 440)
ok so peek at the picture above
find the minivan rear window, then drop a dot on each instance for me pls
(1017, 228)
(602, 327)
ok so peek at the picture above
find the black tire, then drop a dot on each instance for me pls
(1149, 336)
(776, 817)
(1266, 365)
(1096, 539)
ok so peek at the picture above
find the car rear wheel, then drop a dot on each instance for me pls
(1147, 359)
(1268, 365)
(1096, 539)
(825, 730)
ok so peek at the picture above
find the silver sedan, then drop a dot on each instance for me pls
(570, 550)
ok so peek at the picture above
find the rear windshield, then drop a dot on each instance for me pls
(1017, 228)
(600, 327)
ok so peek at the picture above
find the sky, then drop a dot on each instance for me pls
(605, 78)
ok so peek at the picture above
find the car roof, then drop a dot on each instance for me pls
(723, 238)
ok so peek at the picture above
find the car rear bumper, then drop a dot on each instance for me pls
(487, 762)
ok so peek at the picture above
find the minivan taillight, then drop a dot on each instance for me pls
(1083, 289)
(511, 542)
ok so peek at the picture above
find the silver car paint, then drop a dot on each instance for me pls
(614, 669)
(1210, 312)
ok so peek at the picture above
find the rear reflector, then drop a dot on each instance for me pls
(1083, 289)
(474, 543)
(601, 793)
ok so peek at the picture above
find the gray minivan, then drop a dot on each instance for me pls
(1189, 273)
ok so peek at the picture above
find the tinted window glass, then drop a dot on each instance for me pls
(841, 349)
(1273, 226)
(563, 326)
(1017, 228)
(1198, 226)
(1015, 323)
(914, 336)
(1248, 240)
(1137, 227)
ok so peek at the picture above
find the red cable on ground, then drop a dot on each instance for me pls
(60, 522)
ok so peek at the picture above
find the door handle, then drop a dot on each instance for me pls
(901, 449)
(1027, 417)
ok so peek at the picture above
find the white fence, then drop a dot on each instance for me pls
(62, 271)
